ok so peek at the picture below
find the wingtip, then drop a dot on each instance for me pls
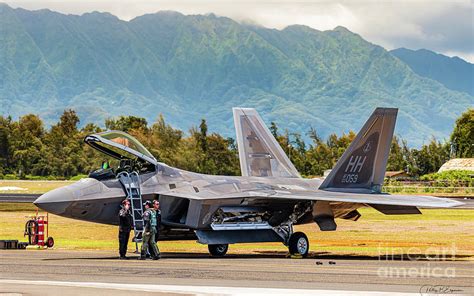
(455, 203)
(447, 203)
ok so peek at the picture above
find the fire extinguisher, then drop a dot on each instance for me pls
(40, 236)
(31, 230)
(35, 230)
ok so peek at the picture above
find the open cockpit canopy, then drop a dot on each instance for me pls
(120, 145)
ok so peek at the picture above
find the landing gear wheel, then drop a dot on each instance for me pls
(50, 242)
(218, 250)
(298, 244)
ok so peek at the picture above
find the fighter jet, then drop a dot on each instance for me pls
(262, 205)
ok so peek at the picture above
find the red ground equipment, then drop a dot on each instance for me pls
(37, 228)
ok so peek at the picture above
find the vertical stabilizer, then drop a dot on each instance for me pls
(363, 164)
(259, 153)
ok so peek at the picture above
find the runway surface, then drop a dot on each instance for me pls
(56, 272)
(18, 197)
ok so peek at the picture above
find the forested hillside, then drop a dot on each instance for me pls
(193, 67)
(454, 73)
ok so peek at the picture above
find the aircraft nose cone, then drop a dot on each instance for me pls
(55, 201)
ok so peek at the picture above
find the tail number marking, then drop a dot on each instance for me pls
(355, 164)
(349, 178)
(353, 168)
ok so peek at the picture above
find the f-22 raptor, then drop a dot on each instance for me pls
(262, 205)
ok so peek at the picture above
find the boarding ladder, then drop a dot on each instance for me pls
(131, 183)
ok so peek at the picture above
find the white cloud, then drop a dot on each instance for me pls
(443, 26)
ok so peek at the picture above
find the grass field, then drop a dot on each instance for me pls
(436, 232)
(430, 190)
(30, 187)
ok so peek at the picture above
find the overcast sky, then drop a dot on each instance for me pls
(443, 26)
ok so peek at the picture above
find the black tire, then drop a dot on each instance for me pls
(50, 242)
(218, 250)
(298, 244)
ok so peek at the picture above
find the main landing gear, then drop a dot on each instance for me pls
(218, 250)
(298, 244)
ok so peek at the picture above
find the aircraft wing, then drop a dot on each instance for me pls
(323, 195)
(367, 198)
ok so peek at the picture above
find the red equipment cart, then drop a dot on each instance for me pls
(37, 229)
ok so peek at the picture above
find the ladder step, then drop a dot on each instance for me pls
(131, 183)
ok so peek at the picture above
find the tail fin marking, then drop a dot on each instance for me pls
(363, 164)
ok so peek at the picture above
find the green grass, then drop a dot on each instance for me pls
(31, 187)
(430, 190)
(374, 233)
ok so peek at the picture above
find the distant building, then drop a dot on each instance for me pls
(396, 175)
(457, 164)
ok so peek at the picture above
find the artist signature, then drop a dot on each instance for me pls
(438, 289)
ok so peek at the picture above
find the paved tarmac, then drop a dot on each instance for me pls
(18, 197)
(57, 272)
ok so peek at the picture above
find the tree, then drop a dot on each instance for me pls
(68, 122)
(430, 157)
(164, 142)
(462, 138)
(220, 160)
(64, 154)
(319, 156)
(27, 144)
(274, 129)
(5, 132)
(313, 135)
(396, 158)
(126, 123)
(202, 135)
(89, 157)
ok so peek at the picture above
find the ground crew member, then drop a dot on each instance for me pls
(148, 244)
(125, 226)
(156, 208)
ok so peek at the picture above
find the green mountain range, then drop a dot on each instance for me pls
(454, 73)
(200, 66)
